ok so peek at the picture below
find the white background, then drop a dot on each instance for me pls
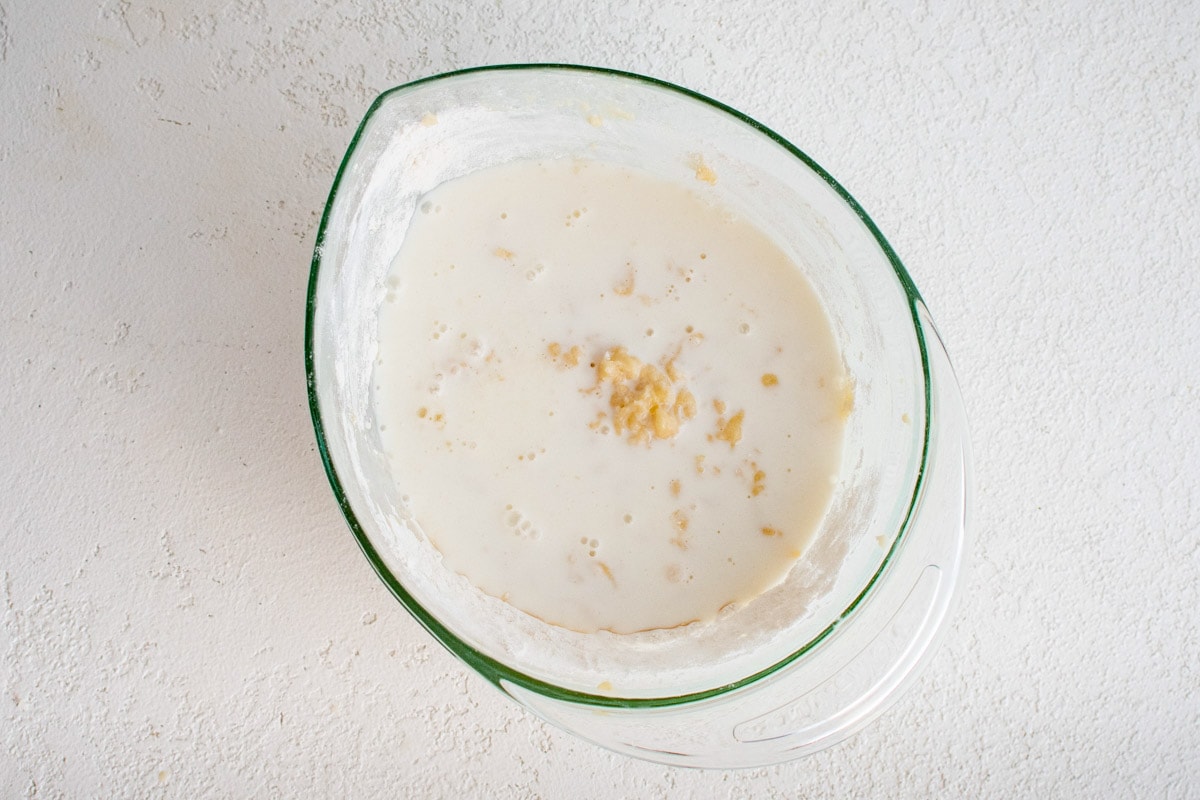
(184, 613)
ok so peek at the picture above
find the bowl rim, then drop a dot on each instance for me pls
(493, 670)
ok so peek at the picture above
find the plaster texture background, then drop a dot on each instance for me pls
(183, 613)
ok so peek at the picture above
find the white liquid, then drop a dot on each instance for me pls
(508, 455)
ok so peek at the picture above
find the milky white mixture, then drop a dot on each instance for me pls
(606, 400)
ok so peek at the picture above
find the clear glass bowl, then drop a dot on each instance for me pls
(814, 659)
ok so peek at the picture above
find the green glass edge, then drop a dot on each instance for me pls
(489, 668)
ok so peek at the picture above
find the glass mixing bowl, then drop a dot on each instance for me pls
(815, 658)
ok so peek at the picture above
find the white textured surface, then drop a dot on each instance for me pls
(183, 611)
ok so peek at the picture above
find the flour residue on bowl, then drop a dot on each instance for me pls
(610, 402)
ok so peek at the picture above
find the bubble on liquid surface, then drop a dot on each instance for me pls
(522, 527)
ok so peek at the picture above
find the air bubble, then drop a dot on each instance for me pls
(426, 207)
(520, 526)
(594, 543)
